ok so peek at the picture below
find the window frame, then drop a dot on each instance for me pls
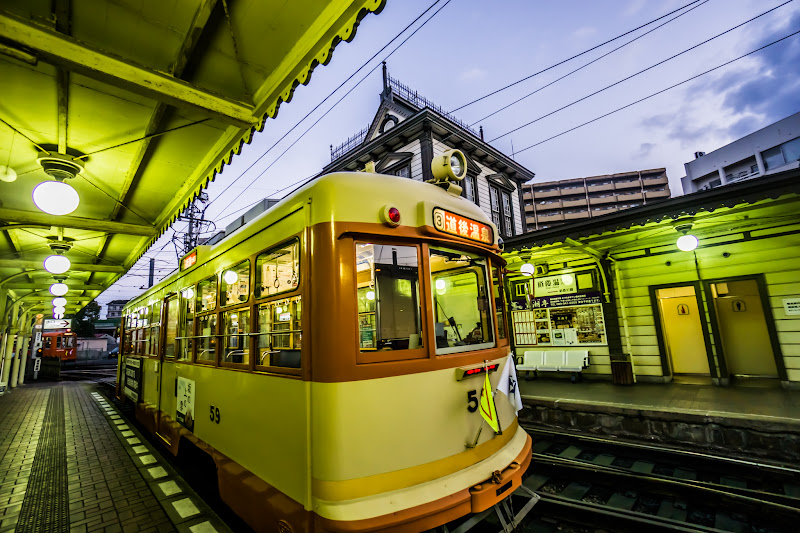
(247, 337)
(250, 278)
(255, 289)
(409, 354)
(255, 333)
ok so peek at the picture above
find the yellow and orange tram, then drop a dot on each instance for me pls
(329, 356)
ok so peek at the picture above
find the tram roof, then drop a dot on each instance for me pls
(155, 98)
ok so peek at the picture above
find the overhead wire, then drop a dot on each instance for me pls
(590, 62)
(637, 73)
(342, 98)
(573, 57)
(351, 76)
(661, 91)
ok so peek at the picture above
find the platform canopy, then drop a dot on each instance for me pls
(144, 103)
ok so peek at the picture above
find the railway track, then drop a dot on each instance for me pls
(591, 482)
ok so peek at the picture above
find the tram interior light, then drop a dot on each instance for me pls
(59, 289)
(526, 269)
(57, 264)
(59, 301)
(370, 295)
(230, 277)
(55, 197)
(188, 293)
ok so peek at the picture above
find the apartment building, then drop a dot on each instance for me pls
(556, 202)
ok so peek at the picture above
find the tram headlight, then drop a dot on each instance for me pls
(450, 166)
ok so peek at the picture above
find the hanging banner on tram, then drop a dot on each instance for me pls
(461, 226)
(133, 378)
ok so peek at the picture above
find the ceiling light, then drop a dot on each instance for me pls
(188, 293)
(59, 310)
(59, 301)
(58, 316)
(526, 269)
(59, 289)
(687, 243)
(7, 174)
(230, 277)
(55, 197)
(567, 279)
(370, 295)
(56, 264)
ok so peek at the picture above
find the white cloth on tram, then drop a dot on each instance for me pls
(508, 384)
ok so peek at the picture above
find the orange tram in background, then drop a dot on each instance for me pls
(329, 359)
(59, 345)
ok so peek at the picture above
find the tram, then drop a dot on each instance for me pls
(329, 357)
(59, 345)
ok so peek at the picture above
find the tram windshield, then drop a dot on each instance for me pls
(462, 311)
(388, 297)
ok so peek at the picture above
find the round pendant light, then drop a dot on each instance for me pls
(687, 243)
(57, 264)
(59, 301)
(59, 310)
(55, 197)
(59, 289)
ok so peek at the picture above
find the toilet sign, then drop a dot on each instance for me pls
(683, 309)
(739, 306)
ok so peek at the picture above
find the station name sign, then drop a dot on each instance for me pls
(51, 323)
(461, 226)
(189, 260)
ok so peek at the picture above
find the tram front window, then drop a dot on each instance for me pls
(462, 310)
(387, 278)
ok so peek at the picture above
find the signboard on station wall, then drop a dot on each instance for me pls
(133, 378)
(553, 285)
(63, 323)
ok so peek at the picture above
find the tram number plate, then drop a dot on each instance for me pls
(214, 414)
(472, 401)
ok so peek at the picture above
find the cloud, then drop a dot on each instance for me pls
(473, 74)
(644, 150)
(582, 33)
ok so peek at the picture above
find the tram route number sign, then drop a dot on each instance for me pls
(459, 225)
(133, 378)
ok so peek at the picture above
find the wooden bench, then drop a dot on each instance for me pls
(574, 361)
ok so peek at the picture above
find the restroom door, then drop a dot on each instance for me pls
(683, 330)
(743, 329)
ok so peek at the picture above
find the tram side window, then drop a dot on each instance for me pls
(278, 270)
(462, 310)
(172, 326)
(186, 329)
(280, 334)
(499, 302)
(69, 342)
(58, 342)
(206, 340)
(207, 295)
(237, 336)
(155, 328)
(235, 284)
(387, 279)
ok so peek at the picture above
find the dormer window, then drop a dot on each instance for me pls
(389, 122)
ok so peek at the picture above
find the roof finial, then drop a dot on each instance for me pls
(385, 80)
(481, 130)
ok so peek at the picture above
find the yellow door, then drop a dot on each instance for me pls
(683, 330)
(743, 328)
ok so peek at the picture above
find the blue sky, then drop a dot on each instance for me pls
(474, 47)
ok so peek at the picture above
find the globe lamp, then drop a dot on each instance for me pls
(55, 197)
(57, 264)
(59, 289)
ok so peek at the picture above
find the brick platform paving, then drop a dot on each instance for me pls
(70, 463)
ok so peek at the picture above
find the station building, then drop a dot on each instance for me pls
(618, 286)
(408, 131)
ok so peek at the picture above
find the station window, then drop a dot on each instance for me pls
(206, 339)
(389, 315)
(207, 295)
(462, 310)
(278, 270)
(237, 336)
(280, 333)
(235, 284)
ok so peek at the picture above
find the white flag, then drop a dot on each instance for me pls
(508, 383)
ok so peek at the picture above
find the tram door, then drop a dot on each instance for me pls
(166, 371)
(743, 328)
(683, 330)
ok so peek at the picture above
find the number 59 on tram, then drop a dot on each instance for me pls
(329, 357)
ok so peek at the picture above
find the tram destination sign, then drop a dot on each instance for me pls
(461, 226)
(188, 260)
(133, 378)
